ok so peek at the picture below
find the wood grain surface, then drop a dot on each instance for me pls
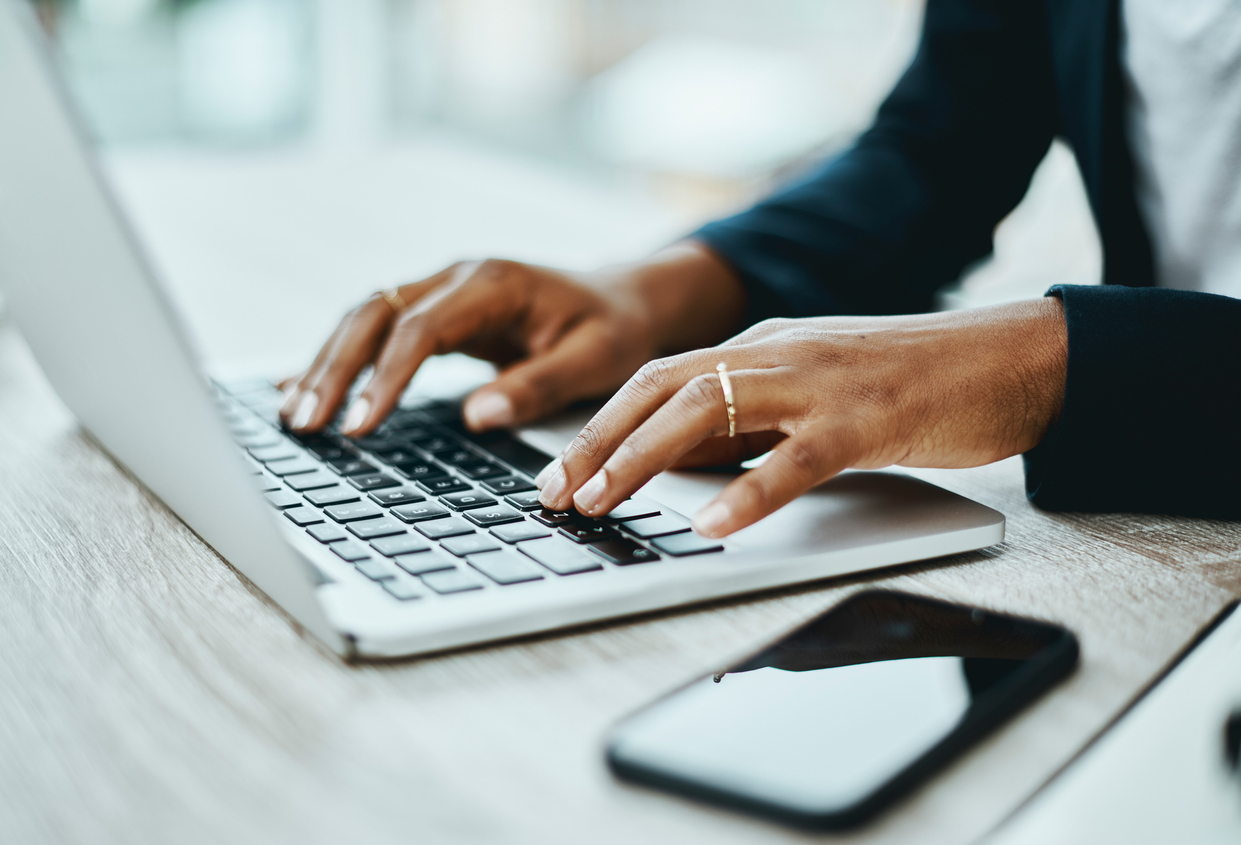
(148, 694)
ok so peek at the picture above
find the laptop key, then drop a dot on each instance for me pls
(281, 499)
(401, 589)
(555, 519)
(369, 529)
(333, 496)
(329, 452)
(436, 443)
(588, 532)
(257, 439)
(453, 455)
(281, 451)
(352, 466)
(492, 515)
(655, 526)
(509, 484)
(469, 544)
(398, 456)
(378, 443)
(686, 544)
(623, 552)
(419, 470)
(440, 528)
(631, 509)
(467, 501)
(506, 567)
(560, 556)
(327, 532)
(420, 564)
(303, 516)
(403, 544)
(373, 482)
(525, 501)
(350, 550)
(516, 532)
(374, 569)
(354, 512)
(442, 486)
(476, 470)
(399, 496)
(266, 484)
(293, 466)
(312, 480)
(447, 581)
(419, 513)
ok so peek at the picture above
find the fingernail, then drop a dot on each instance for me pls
(711, 519)
(549, 497)
(588, 496)
(305, 410)
(545, 473)
(356, 415)
(489, 410)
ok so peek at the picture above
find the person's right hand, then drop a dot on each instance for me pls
(557, 336)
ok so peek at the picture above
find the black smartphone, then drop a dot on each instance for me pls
(836, 720)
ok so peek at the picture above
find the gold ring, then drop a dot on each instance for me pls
(727, 386)
(392, 296)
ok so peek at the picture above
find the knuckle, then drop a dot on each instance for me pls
(497, 268)
(702, 397)
(588, 444)
(651, 377)
(773, 326)
(798, 458)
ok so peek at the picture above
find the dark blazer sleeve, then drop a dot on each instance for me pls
(1152, 406)
(881, 227)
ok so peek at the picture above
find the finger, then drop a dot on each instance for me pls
(288, 387)
(728, 451)
(576, 367)
(694, 413)
(351, 347)
(653, 385)
(796, 464)
(480, 299)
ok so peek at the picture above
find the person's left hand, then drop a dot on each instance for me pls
(824, 394)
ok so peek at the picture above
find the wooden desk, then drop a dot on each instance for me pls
(148, 694)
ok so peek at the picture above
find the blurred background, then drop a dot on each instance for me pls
(309, 151)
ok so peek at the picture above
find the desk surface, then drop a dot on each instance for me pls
(148, 694)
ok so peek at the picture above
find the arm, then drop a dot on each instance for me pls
(1152, 406)
(879, 228)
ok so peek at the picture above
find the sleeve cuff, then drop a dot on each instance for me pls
(1151, 405)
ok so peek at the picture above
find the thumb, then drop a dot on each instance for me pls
(577, 366)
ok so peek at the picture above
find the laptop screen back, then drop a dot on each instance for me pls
(86, 302)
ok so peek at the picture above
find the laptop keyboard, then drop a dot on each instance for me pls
(424, 508)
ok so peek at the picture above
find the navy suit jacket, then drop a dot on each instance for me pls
(1151, 413)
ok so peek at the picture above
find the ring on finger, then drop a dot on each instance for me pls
(393, 297)
(726, 385)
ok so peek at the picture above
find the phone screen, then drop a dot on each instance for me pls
(836, 718)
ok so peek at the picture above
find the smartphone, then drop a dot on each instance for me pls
(837, 719)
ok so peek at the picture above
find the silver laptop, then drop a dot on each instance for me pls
(420, 537)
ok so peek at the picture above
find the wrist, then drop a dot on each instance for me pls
(686, 295)
(1045, 364)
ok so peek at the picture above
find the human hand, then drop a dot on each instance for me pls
(557, 336)
(824, 394)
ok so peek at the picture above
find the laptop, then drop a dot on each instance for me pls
(420, 537)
